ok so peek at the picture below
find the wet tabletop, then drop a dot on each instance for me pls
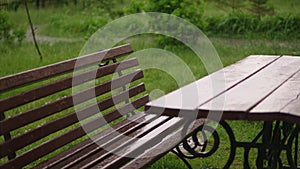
(259, 87)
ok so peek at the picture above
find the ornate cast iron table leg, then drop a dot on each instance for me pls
(276, 139)
(292, 152)
(269, 142)
(195, 147)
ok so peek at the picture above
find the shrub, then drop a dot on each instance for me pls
(64, 25)
(187, 9)
(240, 24)
(261, 8)
(190, 10)
(8, 33)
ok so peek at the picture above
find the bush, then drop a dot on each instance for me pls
(67, 26)
(190, 10)
(240, 24)
(8, 33)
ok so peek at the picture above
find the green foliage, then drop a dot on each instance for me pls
(260, 7)
(108, 6)
(15, 4)
(268, 26)
(233, 4)
(5, 26)
(66, 25)
(8, 33)
(187, 9)
(190, 10)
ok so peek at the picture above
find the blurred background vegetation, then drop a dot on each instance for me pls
(81, 18)
(237, 28)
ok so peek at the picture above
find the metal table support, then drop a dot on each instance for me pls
(274, 138)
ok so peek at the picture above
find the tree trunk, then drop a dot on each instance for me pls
(43, 3)
(37, 3)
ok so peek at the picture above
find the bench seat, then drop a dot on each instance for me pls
(157, 134)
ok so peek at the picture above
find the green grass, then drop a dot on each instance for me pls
(20, 57)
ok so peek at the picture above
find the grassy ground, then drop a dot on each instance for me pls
(15, 58)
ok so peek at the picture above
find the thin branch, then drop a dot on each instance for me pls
(32, 31)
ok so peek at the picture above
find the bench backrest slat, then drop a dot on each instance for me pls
(40, 132)
(13, 81)
(38, 129)
(65, 102)
(48, 89)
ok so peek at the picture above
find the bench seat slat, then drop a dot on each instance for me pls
(49, 89)
(85, 150)
(116, 138)
(137, 146)
(64, 103)
(72, 135)
(63, 157)
(13, 81)
(43, 131)
(154, 153)
(100, 153)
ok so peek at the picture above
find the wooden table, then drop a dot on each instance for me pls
(260, 88)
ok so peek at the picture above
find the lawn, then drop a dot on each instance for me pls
(52, 22)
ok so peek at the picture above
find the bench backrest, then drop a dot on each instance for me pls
(31, 129)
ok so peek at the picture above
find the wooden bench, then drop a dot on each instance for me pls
(39, 126)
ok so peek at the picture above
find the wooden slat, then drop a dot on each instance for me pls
(293, 110)
(64, 156)
(148, 141)
(40, 132)
(110, 135)
(63, 84)
(161, 149)
(66, 138)
(252, 91)
(122, 142)
(64, 103)
(101, 151)
(282, 103)
(16, 80)
(191, 96)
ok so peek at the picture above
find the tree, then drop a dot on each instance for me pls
(261, 8)
(32, 30)
(37, 3)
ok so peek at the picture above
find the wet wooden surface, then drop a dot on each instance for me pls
(256, 88)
